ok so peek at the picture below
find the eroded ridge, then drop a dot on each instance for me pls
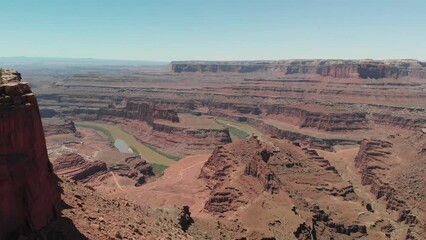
(374, 162)
(282, 184)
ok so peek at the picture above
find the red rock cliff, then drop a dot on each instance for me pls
(30, 196)
(330, 68)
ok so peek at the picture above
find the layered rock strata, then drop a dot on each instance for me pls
(256, 175)
(30, 196)
(54, 126)
(75, 167)
(399, 121)
(373, 162)
(319, 120)
(328, 68)
(371, 165)
(135, 168)
(133, 110)
(248, 167)
(316, 142)
(175, 140)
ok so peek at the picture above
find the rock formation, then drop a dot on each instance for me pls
(278, 180)
(135, 168)
(319, 120)
(328, 68)
(399, 121)
(75, 167)
(30, 196)
(183, 140)
(91, 215)
(9, 76)
(374, 163)
(53, 126)
(243, 166)
(133, 110)
(315, 142)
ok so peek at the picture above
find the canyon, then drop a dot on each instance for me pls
(291, 149)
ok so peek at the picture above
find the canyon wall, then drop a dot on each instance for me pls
(399, 121)
(329, 68)
(75, 167)
(252, 168)
(374, 163)
(219, 136)
(53, 126)
(315, 142)
(320, 120)
(133, 110)
(272, 179)
(30, 196)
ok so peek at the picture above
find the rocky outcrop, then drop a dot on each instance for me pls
(133, 110)
(217, 136)
(135, 168)
(327, 121)
(329, 68)
(303, 232)
(9, 76)
(376, 163)
(75, 167)
(371, 162)
(257, 175)
(148, 112)
(236, 160)
(53, 126)
(323, 222)
(320, 120)
(399, 121)
(366, 160)
(315, 142)
(83, 168)
(30, 196)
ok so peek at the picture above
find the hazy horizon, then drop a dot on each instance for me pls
(77, 59)
(165, 31)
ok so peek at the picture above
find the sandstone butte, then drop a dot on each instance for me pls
(30, 195)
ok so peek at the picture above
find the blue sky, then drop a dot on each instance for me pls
(161, 30)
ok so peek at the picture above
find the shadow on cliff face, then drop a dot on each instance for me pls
(61, 229)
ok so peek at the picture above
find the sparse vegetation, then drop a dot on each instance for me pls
(158, 169)
(134, 150)
(237, 132)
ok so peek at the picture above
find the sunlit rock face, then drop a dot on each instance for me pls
(30, 196)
